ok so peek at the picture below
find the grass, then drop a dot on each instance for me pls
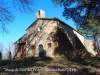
(38, 66)
(93, 60)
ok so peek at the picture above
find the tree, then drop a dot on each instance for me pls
(79, 10)
(10, 49)
(7, 10)
(91, 27)
(1, 49)
(9, 55)
(0, 56)
(91, 30)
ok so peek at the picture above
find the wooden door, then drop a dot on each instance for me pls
(22, 50)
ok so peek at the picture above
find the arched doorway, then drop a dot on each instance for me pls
(42, 52)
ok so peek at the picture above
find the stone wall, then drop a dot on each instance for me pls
(71, 34)
(89, 44)
(51, 37)
(80, 36)
(76, 39)
(48, 27)
(48, 37)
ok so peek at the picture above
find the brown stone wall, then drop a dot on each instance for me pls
(71, 33)
(48, 27)
(77, 41)
(64, 46)
(89, 44)
(62, 40)
(52, 38)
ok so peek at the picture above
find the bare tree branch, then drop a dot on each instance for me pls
(24, 5)
(7, 15)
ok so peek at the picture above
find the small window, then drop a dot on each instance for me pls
(40, 47)
(32, 46)
(39, 28)
(49, 44)
(48, 39)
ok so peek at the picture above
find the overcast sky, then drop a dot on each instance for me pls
(22, 20)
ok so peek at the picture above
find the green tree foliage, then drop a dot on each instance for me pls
(9, 7)
(79, 10)
(91, 26)
(9, 55)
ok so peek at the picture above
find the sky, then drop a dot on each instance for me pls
(23, 20)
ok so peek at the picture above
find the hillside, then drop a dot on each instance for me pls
(49, 66)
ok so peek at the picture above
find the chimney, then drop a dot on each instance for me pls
(40, 14)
